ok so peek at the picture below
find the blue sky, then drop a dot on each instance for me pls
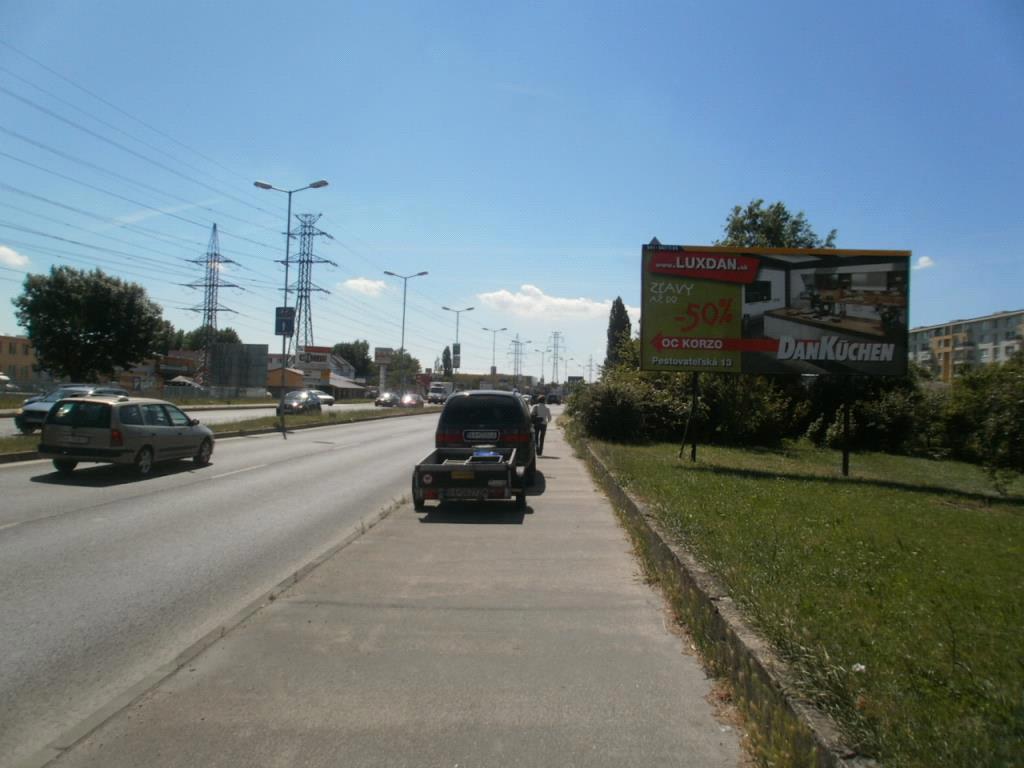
(521, 153)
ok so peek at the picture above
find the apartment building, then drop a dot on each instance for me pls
(18, 359)
(949, 348)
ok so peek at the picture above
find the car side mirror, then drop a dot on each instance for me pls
(194, 422)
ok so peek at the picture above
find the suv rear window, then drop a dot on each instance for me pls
(482, 410)
(96, 415)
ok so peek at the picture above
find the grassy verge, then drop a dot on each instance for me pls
(19, 443)
(897, 595)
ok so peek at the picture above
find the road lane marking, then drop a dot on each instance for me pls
(238, 471)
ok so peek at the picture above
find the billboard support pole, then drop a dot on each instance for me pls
(846, 428)
(694, 392)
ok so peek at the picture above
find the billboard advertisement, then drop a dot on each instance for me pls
(727, 309)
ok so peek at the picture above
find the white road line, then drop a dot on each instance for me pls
(238, 471)
(9, 525)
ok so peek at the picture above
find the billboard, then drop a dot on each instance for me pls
(727, 309)
(383, 355)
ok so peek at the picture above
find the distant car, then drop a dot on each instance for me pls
(121, 430)
(387, 400)
(300, 401)
(412, 400)
(324, 398)
(554, 399)
(32, 413)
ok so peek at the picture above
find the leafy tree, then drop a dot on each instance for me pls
(358, 354)
(619, 328)
(771, 227)
(168, 338)
(84, 324)
(402, 369)
(446, 362)
(197, 339)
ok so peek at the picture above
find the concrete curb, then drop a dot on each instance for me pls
(784, 729)
(75, 734)
(8, 458)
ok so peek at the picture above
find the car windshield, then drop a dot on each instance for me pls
(76, 414)
(482, 410)
(60, 394)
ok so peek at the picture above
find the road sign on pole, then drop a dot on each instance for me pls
(284, 321)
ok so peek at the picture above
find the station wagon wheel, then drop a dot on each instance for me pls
(144, 461)
(205, 451)
(65, 466)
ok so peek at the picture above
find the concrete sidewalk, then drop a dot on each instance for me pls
(475, 635)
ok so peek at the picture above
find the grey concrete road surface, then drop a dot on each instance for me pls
(104, 576)
(472, 635)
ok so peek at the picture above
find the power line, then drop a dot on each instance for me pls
(116, 108)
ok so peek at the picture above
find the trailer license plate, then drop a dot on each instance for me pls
(462, 474)
(481, 434)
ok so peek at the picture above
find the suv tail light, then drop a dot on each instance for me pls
(517, 437)
(446, 438)
(116, 438)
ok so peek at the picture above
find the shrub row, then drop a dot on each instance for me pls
(980, 418)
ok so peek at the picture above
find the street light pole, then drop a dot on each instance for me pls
(494, 338)
(287, 261)
(405, 282)
(457, 313)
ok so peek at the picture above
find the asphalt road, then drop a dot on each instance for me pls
(104, 577)
(219, 416)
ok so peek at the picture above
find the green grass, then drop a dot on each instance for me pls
(328, 417)
(897, 594)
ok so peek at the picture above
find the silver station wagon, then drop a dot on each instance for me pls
(121, 430)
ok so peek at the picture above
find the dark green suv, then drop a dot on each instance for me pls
(489, 417)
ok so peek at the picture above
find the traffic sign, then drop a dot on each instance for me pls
(284, 321)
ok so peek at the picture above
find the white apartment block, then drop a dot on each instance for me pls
(949, 348)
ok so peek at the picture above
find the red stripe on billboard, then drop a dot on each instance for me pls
(719, 267)
(664, 343)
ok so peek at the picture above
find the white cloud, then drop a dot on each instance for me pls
(924, 262)
(531, 302)
(365, 286)
(11, 258)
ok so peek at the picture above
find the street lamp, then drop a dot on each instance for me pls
(457, 313)
(287, 261)
(494, 337)
(405, 282)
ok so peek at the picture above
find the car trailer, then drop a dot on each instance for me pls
(458, 474)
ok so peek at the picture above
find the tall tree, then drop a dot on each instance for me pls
(446, 362)
(619, 330)
(84, 324)
(771, 227)
(168, 338)
(197, 338)
(358, 354)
